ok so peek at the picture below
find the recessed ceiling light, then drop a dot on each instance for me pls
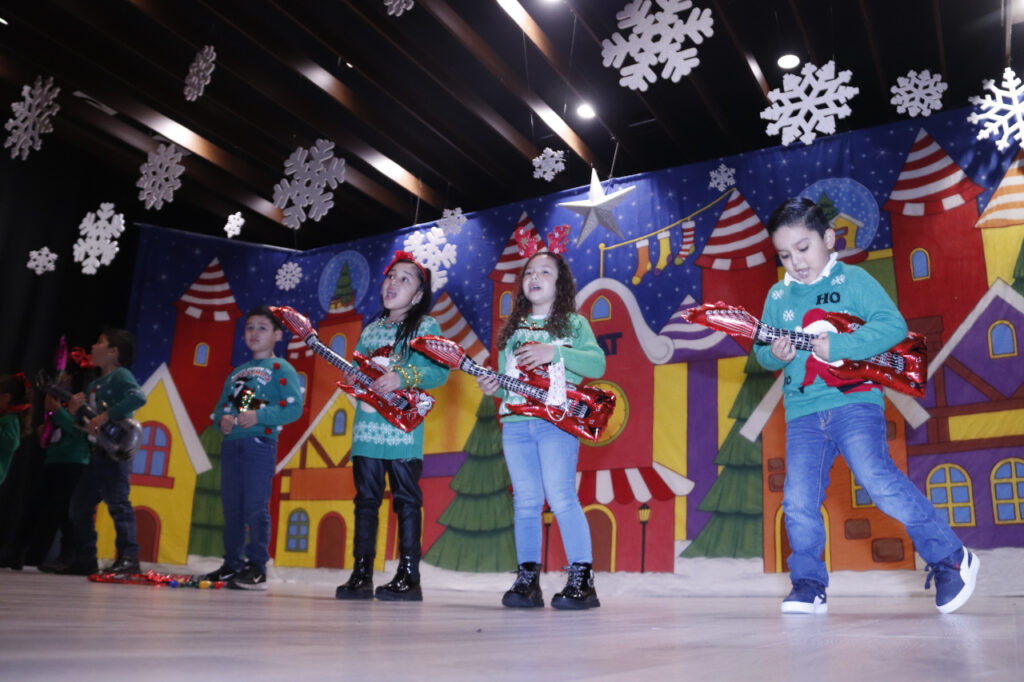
(3, 21)
(789, 61)
(585, 111)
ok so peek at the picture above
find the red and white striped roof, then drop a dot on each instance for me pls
(1006, 207)
(739, 240)
(930, 182)
(297, 349)
(511, 262)
(455, 327)
(210, 297)
(638, 484)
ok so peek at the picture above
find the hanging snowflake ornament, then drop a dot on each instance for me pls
(433, 251)
(311, 170)
(722, 178)
(97, 243)
(549, 164)
(452, 220)
(42, 260)
(200, 73)
(288, 276)
(160, 176)
(32, 117)
(918, 94)
(233, 227)
(1002, 114)
(397, 7)
(809, 102)
(656, 38)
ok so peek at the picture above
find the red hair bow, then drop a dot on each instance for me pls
(405, 255)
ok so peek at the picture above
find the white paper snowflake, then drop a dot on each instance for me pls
(433, 251)
(97, 243)
(233, 227)
(32, 117)
(200, 73)
(918, 94)
(397, 7)
(160, 176)
(656, 38)
(288, 276)
(1004, 113)
(42, 260)
(452, 221)
(809, 102)
(312, 170)
(723, 177)
(549, 164)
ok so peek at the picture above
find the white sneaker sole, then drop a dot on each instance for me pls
(969, 574)
(803, 607)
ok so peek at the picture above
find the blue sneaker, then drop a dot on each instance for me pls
(807, 596)
(955, 578)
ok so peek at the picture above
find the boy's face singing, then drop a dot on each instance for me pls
(804, 253)
(260, 336)
(539, 280)
(103, 354)
(401, 289)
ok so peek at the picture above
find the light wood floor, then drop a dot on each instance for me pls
(63, 627)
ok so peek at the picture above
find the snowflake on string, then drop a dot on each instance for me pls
(433, 251)
(233, 227)
(549, 164)
(809, 102)
(918, 94)
(97, 243)
(288, 276)
(656, 38)
(723, 177)
(397, 7)
(200, 73)
(161, 176)
(452, 220)
(312, 170)
(32, 117)
(42, 260)
(1002, 114)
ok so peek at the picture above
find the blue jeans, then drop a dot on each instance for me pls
(858, 431)
(541, 461)
(246, 475)
(106, 480)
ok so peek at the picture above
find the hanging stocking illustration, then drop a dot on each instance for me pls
(664, 250)
(687, 246)
(643, 260)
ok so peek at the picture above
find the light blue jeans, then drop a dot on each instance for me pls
(858, 432)
(541, 461)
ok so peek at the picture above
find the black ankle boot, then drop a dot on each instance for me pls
(405, 586)
(525, 591)
(579, 589)
(360, 583)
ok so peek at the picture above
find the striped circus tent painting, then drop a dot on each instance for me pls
(937, 254)
(1002, 224)
(455, 327)
(504, 275)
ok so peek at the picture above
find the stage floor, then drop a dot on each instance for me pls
(64, 627)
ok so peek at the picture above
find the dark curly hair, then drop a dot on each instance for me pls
(21, 394)
(558, 324)
(407, 329)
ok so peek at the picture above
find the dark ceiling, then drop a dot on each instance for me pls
(452, 91)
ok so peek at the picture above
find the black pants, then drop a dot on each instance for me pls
(404, 475)
(48, 511)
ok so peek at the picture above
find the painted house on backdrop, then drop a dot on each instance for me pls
(969, 457)
(504, 276)
(1002, 224)
(939, 259)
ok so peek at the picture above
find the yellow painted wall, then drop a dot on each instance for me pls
(986, 425)
(448, 424)
(670, 423)
(1002, 246)
(317, 510)
(730, 379)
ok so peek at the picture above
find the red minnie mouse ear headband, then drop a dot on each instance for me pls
(406, 256)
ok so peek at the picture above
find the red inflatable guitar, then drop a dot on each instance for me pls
(586, 410)
(405, 408)
(904, 367)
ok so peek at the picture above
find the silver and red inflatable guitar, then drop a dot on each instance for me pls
(405, 408)
(904, 367)
(585, 412)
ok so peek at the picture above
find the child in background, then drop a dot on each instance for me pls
(826, 416)
(259, 398)
(15, 417)
(378, 447)
(543, 329)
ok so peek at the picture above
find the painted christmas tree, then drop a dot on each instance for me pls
(1018, 272)
(828, 206)
(735, 499)
(478, 535)
(207, 536)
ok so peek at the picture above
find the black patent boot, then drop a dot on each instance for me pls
(525, 591)
(579, 589)
(405, 586)
(360, 583)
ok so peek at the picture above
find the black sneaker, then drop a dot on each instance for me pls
(125, 566)
(249, 578)
(77, 568)
(222, 574)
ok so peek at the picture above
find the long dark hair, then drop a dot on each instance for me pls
(558, 324)
(407, 328)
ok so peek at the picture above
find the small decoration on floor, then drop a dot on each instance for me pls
(200, 73)
(42, 260)
(596, 209)
(809, 102)
(160, 176)
(722, 178)
(233, 227)
(549, 164)
(397, 7)
(312, 170)
(97, 243)
(452, 221)
(32, 117)
(1002, 114)
(288, 276)
(433, 251)
(918, 94)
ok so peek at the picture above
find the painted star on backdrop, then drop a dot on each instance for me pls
(596, 209)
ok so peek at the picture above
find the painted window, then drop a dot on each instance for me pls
(1008, 491)
(860, 497)
(1002, 340)
(949, 489)
(338, 344)
(601, 310)
(920, 264)
(340, 423)
(298, 531)
(303, 381)
(202, 355)
(154, 451)
(505, 304)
